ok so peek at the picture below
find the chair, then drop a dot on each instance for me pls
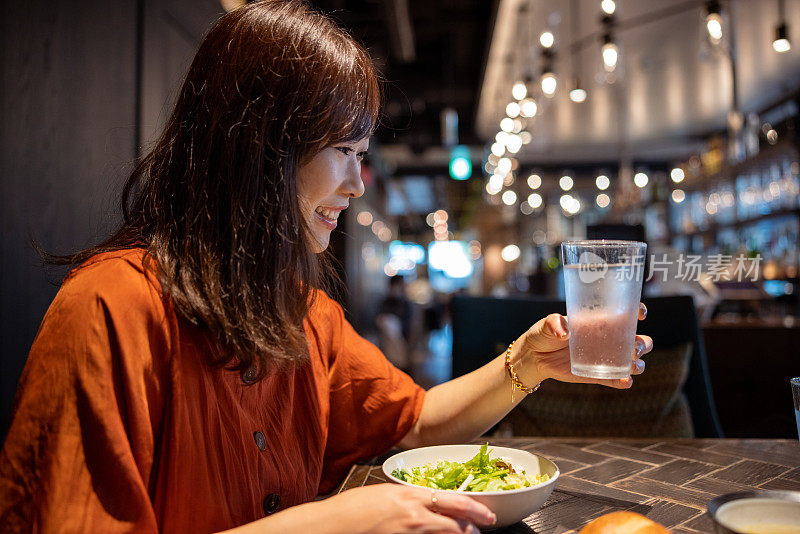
(484, 326)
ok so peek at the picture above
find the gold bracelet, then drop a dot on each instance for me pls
(516, 383)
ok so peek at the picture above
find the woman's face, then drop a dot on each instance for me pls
(325, 185)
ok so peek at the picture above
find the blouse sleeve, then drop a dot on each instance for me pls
(83, 436)
(373, 405)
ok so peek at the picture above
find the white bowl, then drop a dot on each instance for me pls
(509, 506)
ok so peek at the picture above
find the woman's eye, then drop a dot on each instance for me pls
(346, 150)
(362, 155)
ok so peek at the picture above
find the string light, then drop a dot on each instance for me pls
(566, 182)
(498, 149)
(602, 182)
(677, 175)
(507, 125)
(608, 7)
(534, 181)
(640, 179)
(603, 200)
(509, 198)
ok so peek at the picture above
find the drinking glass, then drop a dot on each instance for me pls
(603, 283)
(795, 382)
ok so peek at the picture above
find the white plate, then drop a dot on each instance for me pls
(509, 506)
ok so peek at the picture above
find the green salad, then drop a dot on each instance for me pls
(481, 473)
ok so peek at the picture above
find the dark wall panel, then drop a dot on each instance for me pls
(67, 139)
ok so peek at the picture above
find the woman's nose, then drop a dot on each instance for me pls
(354, 185)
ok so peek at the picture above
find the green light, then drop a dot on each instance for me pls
(460, 163)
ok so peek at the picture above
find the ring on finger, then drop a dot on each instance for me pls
(434, 499)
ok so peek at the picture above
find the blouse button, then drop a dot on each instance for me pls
(261, 441)
(249, 375)
(271, 503)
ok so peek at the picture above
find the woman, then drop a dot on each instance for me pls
(191, 375)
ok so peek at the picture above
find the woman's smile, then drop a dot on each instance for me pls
(329, 216)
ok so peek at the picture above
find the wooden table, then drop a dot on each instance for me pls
(668, 480)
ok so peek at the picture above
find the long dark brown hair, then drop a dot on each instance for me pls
(215, 204)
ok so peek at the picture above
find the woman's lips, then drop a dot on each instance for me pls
(328, 216)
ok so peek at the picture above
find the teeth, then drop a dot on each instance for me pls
(331, 215)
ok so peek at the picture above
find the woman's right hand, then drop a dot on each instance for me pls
(395, 509)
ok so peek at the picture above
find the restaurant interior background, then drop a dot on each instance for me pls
(508, 127)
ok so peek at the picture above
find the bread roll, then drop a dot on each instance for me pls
(623, 523)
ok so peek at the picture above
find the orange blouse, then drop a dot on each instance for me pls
(121, 426)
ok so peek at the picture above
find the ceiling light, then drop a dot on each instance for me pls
(549, 83)
(503, 166)
(566, 182)
(608, 7)
(509, 198)
(364, 218)
(528, 108)
(534, 181)
(519, 90)
(640, 179)
(602, 182)
(781, 43)
(514, 143)
(603, 200)
(577, 95)
(713, 21)
(547, 39)
(512, 110)
(677, 175)
(510, 253)
(610, 53)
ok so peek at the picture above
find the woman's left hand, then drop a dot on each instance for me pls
(543, 352)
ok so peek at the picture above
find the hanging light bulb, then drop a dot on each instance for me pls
(602, 182)
(547, 39)
(608, 7)
(566, 182)
(603, 200)
(513, 109)
(528, 108)
(640, 179)
(713, 21)
(610, 53)
(519, 90)
(781, 43)
(577, 94)
(549, 83)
